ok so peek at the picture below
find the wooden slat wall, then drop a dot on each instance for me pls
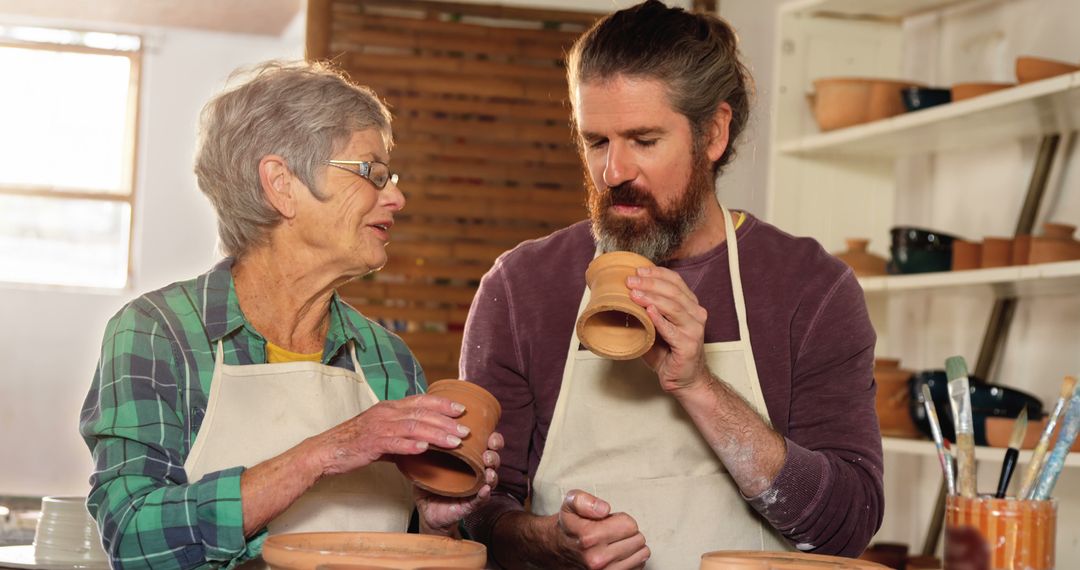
(484, 147)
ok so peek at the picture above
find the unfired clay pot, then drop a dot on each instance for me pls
(755, 560)
(311, 550)
(840, 102)
(456, 472)
(1030, 69)
(966, 255)
(613, 325)
(892, 401)
(864, 263)
(996, 252)
(1056, 244)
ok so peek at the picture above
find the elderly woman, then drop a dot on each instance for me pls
(252, 399)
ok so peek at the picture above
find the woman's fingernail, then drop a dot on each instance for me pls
(633, 280)
(453, 440)
(644, 270)
(457, 407)
(422, 445)
(489, 457)
(463, 430)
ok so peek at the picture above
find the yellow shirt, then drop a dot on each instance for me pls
(275, 354)
(742, 218)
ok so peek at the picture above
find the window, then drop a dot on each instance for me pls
(68, 110)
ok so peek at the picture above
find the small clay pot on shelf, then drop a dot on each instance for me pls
(893, 399)
(1056, 244)
(966, 255)
(612, 324)
(456, 472)
(1021, 251)
(996, 252)
(861, 261)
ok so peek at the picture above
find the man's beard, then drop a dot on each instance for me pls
(659, 234)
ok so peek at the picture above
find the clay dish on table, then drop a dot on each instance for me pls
(612, 324)
(751, 559)
(840, 102)
(456, 472)
(400, 551)
(962, 91)
(1030, 69)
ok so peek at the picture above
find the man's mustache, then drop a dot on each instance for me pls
(626, 194)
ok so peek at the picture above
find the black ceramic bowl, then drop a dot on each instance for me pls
(986, 400)
(917, 250)
(917, 98)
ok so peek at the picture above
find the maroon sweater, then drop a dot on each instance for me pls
(812, 342)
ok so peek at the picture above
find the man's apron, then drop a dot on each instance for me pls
(258, 411)
(616, 434)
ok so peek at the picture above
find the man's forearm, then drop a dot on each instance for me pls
(751, 450)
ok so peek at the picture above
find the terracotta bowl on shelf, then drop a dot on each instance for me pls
(1030, 69)
(999, 430)
(840, 102)
(861, 261)
(311, 550)
(966, 255)
(996, 252)
(962, 91)
(1056, 244)
(892, 400)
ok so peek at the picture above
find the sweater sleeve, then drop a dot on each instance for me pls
(828, 497)
(491, 357)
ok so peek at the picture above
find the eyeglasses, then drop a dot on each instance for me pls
(377, 173)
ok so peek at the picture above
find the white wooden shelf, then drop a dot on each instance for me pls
(1018, 281)
(982, 453)
(875, 9)
(1038, 108)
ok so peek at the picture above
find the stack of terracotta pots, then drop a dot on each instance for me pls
(1056, 244)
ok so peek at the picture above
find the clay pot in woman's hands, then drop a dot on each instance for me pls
(1056, 244)
(456, 472)
(613, 325)
(864, 263)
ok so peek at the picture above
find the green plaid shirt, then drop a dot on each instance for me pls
(148, 400)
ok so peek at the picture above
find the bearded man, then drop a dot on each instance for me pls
(750, 424)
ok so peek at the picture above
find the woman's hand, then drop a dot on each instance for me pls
(398, 427)
(439, 515)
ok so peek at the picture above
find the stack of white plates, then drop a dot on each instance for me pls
(66, 538)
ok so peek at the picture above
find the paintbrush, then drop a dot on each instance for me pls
(1037, 456)
(960, 398)
(1011, 455)
(935, 430)
(1070, 425)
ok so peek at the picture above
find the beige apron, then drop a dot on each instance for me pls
(258, 411)
(616, 434)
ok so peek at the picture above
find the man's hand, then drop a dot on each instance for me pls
(679, 361)
(589, 536)
(439, 515)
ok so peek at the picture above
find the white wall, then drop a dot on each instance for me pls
(50, 339)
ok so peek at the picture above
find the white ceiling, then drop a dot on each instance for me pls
(266, 17)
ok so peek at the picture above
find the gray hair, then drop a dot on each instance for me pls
(695, 55)
(302, 111)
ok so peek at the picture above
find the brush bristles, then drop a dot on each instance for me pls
(1019, 430)
(956, 367)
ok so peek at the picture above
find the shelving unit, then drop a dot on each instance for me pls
(1019, 281)
(880, 9)
(1042, 107)
(982, 453)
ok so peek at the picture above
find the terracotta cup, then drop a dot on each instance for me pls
(892, 400)
(1056, 244)
(1021, 252)
(999, 534)
(757, 560)
(456, 472)
(314, 550)
(861, 261)
(613, 325)
(996, 252)
(966, 255)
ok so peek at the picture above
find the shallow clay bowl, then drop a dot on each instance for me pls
(312, 550)
(755, 560)
(962, 91)
(1030, 69)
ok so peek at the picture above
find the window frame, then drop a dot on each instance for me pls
(129, 156)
